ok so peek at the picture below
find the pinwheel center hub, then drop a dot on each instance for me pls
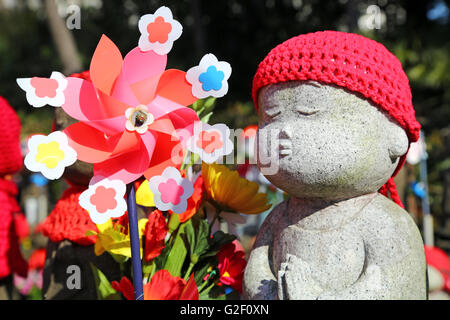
(139, 118)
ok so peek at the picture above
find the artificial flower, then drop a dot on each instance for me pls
(155, 233)
(129, 114)
(210, 142)
(162, 286)
(43, 91)
(35, 273)
(125, 287)
(111, 237)
(50, 154)
(171, 190)
(231, 265)
(159, 31)
(104, 199)
(231, 192)
(209, 78)
(194, 202)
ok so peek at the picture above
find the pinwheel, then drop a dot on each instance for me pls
(133, 120)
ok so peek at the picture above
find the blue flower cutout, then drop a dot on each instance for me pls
(211, 79)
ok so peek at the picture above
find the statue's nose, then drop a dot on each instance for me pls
(286, 132)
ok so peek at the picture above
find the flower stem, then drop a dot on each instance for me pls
(188, 272)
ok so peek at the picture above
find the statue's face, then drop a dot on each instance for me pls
(322, 141)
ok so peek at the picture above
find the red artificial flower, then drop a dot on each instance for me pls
(231, 265)
(125, 287)
(155, 232)
(37, 260)
(163, 286)
(194, 201)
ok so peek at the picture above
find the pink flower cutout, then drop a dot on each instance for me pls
(45, 87)
(103, 199)
(171, 191)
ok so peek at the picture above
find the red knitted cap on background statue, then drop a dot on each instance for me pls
(347, 60)
(11, 259)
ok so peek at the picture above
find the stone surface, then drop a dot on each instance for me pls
(336, 237)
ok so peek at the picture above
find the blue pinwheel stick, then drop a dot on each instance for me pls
(135, 245)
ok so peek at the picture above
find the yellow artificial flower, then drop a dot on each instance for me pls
(231, 192)
(111, 238)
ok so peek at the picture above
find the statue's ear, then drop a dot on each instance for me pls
(397, 139)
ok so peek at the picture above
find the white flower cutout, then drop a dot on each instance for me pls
(43, 91)
(104, 199)
(171, 191)
(210, 142)
(159, 31)
(50, 154)
(209, 78)
(138, 119)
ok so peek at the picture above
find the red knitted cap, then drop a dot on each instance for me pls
(68, 220)
(10, 154)
(348, 60)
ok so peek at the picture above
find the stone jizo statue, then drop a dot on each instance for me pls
(341, 107)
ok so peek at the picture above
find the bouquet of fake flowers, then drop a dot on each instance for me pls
(142, 126)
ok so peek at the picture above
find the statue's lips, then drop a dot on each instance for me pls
(285, 147)
(305, 112)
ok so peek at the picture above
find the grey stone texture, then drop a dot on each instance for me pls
(335, 237)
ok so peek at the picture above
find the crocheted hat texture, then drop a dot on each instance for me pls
(351, 61)
(11, 259)
(10, 154)
(68, 220)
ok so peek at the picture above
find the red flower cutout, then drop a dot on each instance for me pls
(44, 87)
(158, 31)
(103, 199)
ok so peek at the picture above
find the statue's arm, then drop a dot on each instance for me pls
(394, 264)
(260, 283)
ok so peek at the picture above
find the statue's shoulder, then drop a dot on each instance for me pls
(384, 224)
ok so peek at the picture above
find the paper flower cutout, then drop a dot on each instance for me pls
(210, 77)
(159, 31)
(43, 91)
(49, 155)
(210, 142)
(104, 199)
(130, 114)
(171, 191)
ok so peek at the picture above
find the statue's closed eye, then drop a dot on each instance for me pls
(272, 111)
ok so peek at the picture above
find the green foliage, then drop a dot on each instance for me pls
(104, 288)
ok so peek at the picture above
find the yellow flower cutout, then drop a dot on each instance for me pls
(231, 192)
(112, 238)
(50, 154)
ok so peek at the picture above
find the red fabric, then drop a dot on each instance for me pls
(438, 259)
(348, 60)
(11, 259)
(22, 226)
(11, 159)
(37, 260)
(68, 220)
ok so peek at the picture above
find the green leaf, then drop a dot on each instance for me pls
(215, 293)
(104, 288)
(177, 254)
(219, 239)
(197, 235)
(202, 267)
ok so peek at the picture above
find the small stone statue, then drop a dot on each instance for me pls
(340, 107)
